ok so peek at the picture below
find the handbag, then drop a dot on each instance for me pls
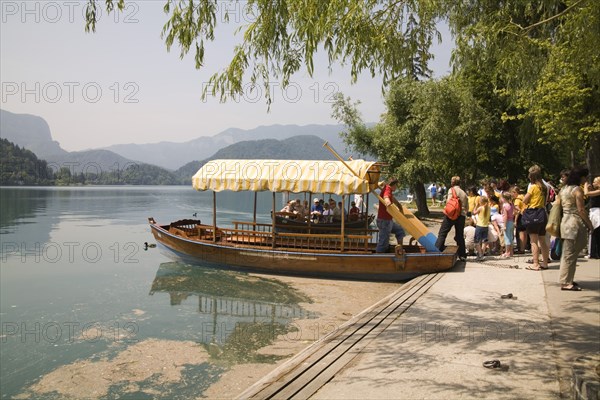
(553, 226)
(533, 216)
(556, 249)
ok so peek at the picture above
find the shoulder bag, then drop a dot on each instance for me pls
(554, 219)
(533, 216)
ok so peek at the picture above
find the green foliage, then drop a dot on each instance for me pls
(430, 130)
(135, 174)
(525, 86)
(387, 37)
(563, 106)
(91, 11)
(145, 174)
(19, 166)
(543, 56)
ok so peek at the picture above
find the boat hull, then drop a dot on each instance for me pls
(361, 266)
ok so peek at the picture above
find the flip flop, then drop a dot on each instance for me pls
(573, 288)
(492, 364)
(533, 269)
(542, 267)
(507, 296)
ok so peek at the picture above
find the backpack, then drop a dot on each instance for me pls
(453, 207)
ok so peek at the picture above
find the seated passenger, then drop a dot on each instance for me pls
(354, 212)
(327, 215)
(306, 209)
(335, 212)
(290, 207)
(316, 210)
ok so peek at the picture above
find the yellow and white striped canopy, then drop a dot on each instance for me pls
(315, 176)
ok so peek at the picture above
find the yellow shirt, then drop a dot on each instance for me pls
(483, 217)
(473, 201)
(538, 198)
(519, 205)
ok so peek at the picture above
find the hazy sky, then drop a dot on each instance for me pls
(120, 85)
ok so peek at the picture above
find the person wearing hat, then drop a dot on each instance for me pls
(316, 210)
(385, 222)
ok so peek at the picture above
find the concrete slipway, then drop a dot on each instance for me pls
(429, 339)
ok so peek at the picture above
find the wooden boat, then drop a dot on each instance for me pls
(247, 245)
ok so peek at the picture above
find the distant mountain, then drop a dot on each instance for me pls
(306, 147)
(31, 132)
(274, 141)
(174, 155)
(21, 167)
(90, 161)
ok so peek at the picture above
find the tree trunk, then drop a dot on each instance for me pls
(421, 199)
(593, 156)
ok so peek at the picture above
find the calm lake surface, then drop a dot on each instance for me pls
(76, 284)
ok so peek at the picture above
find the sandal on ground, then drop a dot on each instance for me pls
(533, 269)
(573, 288)
(542, 267)
(492, 364)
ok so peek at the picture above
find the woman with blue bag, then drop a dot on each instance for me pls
(574, 226)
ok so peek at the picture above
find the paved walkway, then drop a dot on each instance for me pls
(429, 339)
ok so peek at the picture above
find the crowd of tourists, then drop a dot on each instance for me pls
(499, 219)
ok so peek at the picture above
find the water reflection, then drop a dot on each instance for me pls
(19, 207)
(246, 312)
(64, 308)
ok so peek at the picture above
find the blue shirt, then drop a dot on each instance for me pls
(316, 207)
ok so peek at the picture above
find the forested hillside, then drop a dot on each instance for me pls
(19, 166)
(304, 147)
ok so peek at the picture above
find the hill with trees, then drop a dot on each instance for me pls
(305, 147)
(19, 166)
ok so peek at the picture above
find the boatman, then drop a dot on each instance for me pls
(385, 222)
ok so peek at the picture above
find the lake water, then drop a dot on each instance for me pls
(76, 284)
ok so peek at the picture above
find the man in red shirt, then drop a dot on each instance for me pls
(385, 222)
